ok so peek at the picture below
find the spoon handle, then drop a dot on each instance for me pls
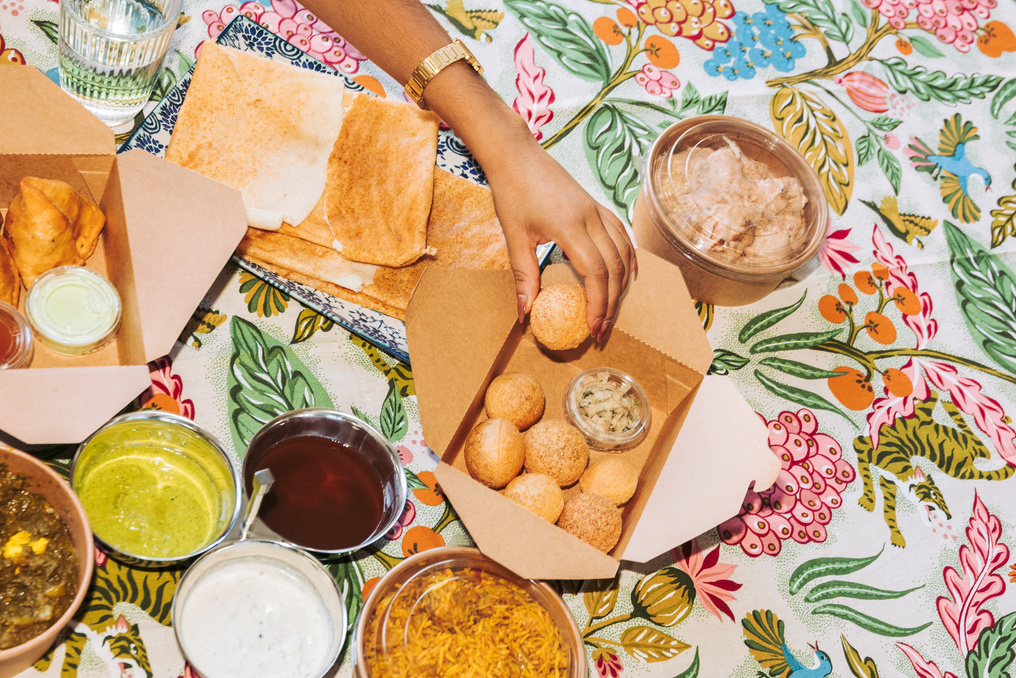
(262, 482)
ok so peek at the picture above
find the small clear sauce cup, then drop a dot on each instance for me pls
(597, 438)
(73, 310)
(16, 345)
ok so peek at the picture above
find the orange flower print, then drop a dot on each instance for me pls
(832, 309)
(996, 38)
(897, 382)
(852, 388)
(880, 328)
(420, 538)
(865, 282)
(606, 29)
(662, 53)
(166, 391)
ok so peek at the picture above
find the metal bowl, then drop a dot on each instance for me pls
(170, 441)
(359, 438)
(273, 586)
(457, 558)
(43, 480)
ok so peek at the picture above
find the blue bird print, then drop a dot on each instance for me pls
(952, 167)
(763, 634)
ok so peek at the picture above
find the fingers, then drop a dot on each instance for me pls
(525, 268)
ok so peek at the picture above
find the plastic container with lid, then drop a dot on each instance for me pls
(419, 589)
(601, 399)
(73, 310)
(733, 205)
(16, 344)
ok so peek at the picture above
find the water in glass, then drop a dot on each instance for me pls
(111, 50)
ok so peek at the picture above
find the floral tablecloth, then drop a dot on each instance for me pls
(886, 374)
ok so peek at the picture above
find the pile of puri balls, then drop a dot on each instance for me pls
(554, 455)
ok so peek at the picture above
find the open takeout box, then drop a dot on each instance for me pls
(168, 233)
(705, 448)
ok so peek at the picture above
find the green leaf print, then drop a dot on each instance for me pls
(924, 46)
(995, 654)
(986, 291)
(927, 85)
(885, 123)
(861, 15)
(792, 342)
(413, 481)
(764, 321)
(867, 622)
(615, 139)
(1004, 94)
(796, 369)
(891, 169)
(49, 29)
(799, 396)
(714, 104)
(308, 323)
(866, 146)
(350, 579)
(811, 570)
(394, 423)
(265, 380)
(821, 13)
(725, 362)
(691, 671)
(848, 589)
(567, 36)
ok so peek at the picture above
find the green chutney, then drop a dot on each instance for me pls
(153, 491)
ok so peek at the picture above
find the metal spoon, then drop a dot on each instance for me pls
(263, 480)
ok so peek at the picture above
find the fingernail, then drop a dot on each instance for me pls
(601, 335)
(523, 300)
(596, 327)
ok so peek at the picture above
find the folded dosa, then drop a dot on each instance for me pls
(263, 127)
(320, 263)
(463, 230)
(380, 182)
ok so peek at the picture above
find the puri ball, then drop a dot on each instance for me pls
(612, 478)
(538, 493)
(517, 397)
(558, 317)
(593, 519)
(557, 449)
(495, 452)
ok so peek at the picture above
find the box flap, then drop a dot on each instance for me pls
(456, 324)
(517, 538)
(59, 124)
(181, 220)
(721, 450)
(78, 400)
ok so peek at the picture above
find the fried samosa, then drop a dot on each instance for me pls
(50, 225)
(10, 281)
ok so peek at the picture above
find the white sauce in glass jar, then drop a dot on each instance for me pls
(255, 617)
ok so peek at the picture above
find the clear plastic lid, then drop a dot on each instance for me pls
(609, 407)
(16, 344)
(736, 195)
(73, 310)
(475, 609)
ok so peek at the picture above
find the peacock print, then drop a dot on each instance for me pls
(904, 226)
(764, 636)
(951, 167)
(476, 23)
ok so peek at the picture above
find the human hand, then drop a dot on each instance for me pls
(537, 201)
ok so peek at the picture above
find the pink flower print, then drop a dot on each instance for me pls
(166, 391)
(404, 521)
(657, 82)
(534, 99)
(100, 557)
(608, 664)
(865, 90)
(405, 454)
(837, 253)
(892, 142)
(302, 29)
(800, 504)
(713, 587)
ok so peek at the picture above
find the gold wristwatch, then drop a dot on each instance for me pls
(434, 64)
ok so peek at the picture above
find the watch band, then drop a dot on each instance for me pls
(434, 64)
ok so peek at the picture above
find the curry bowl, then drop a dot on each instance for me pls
(158, 489)
(40, 479)
(339, 485)
(445, 604)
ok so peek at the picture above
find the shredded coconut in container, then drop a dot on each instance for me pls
(607, 405)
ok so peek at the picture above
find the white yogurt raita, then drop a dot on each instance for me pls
(254, 617)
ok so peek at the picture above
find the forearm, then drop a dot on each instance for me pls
(397, 35)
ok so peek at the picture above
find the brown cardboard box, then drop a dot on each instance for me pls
(169, 232)
(704, 449)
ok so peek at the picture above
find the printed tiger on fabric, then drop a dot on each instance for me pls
(952, 449)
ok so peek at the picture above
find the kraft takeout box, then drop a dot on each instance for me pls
(169, 231)
(704, 450)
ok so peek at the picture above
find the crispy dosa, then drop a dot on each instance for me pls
(263, 127)
(380, 182)
(463, 229)
(49, 225)
(10, 281)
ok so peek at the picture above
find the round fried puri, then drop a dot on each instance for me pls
(538, 493)
(517, 397)
(556, 448)
(612, 478)
(593, 519)
(495, 452)
(558, 317)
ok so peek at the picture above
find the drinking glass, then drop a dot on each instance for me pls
(111, 50)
